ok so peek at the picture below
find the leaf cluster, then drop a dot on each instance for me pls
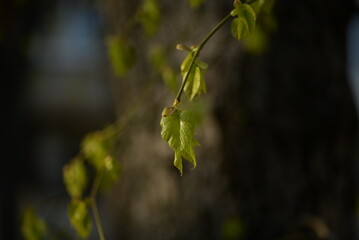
(121, 53)
(195, 81)
(177, 125)
(96, 151)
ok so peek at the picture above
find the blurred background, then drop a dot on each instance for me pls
(278, 127)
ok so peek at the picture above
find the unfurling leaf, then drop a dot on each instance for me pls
(75, 178)
(122, 56)
(150, 16)
(244, 23)
(178, 131)
(195, 84)
(32, 227)
(79, 217)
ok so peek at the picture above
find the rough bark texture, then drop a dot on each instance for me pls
(289, 127)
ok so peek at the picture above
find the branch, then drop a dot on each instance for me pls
(96, 214)
(196, 51)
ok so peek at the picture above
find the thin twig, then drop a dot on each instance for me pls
(96, 214)
(196, 54)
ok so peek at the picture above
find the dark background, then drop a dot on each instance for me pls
(279, 132)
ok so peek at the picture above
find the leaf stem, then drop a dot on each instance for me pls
(96, 214)
(196, 52)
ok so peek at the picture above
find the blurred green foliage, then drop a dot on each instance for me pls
(32, 226)
(149, 16)
(160, 64)
(232, 229)
(75, 178)
(111, 173)
(95, 149)
(122, 56)
(244, 21)
(78, 214)
(196, 3)
(257, 41)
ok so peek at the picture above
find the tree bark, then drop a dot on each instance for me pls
(289, 127)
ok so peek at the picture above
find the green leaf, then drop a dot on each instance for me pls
(195, 84)
(178, 131)
(32, 227)
(75, 178)
(150, 16)
(244, 23)
(95, 149)
(122, 56)
(79, 217)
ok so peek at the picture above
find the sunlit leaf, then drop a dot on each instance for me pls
(75, 177)
(122, 56)
(178, 131)
(150, 16)
(244, 22)
(32, 226)
(195, 84)
(79, 217)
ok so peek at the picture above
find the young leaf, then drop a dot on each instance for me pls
(32, 227)
(195, 84)
(244, 23)
(75, 178)
(178, 131)
(150, 16)
(79, 217)
(122, 56)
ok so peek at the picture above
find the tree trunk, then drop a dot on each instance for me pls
(289, 128)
